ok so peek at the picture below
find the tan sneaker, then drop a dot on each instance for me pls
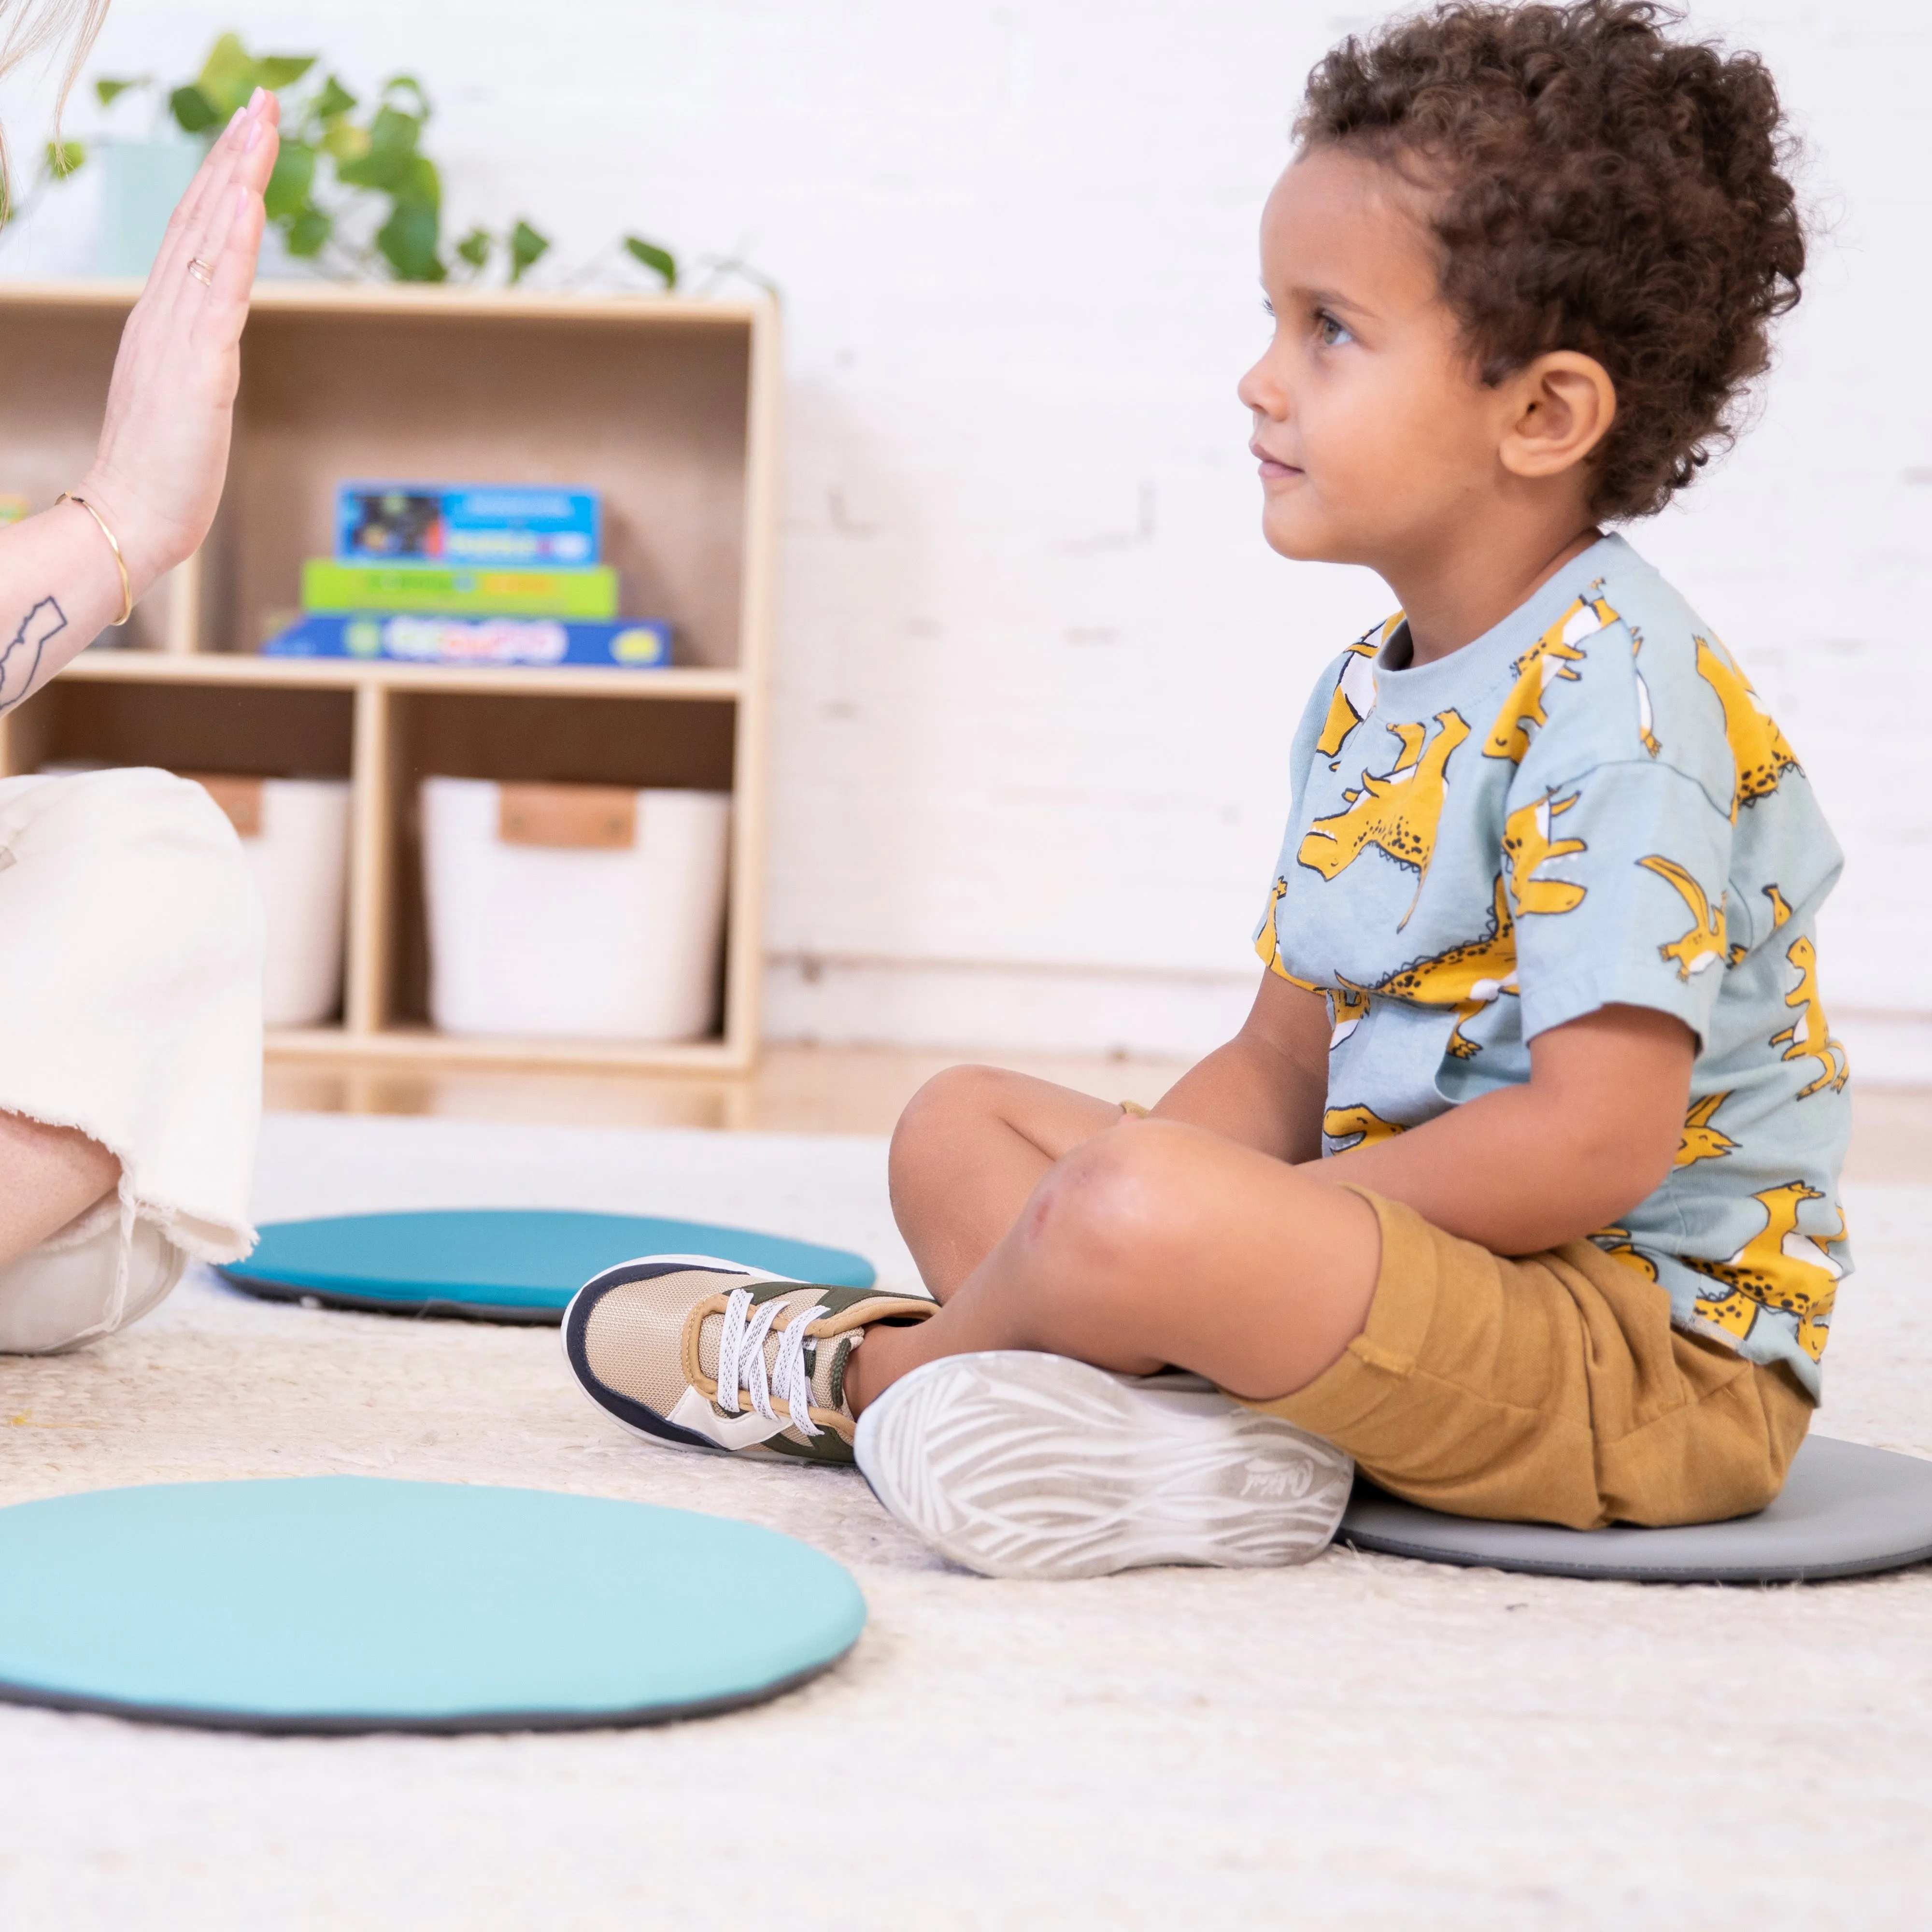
(704, 1354)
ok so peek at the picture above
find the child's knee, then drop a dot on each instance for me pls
(1107, 1206)
(948, 1105)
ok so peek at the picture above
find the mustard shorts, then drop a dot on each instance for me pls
(1548, 1389)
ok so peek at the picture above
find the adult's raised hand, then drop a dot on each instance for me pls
(157, 477)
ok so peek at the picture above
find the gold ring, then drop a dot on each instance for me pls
(202, 271)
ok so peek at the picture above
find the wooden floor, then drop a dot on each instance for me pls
(860, 1091)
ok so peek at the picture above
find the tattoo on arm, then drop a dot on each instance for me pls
(20, 661)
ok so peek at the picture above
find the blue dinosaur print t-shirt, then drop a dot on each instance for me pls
(1585, 807)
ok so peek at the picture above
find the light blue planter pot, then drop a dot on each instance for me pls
(141, 181)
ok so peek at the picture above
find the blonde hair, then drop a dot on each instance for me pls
(26, 26)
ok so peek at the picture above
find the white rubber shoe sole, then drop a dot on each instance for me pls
(1021, 1465)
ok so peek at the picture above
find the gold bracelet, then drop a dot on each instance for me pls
(120, 562)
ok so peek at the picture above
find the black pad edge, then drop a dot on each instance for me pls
(433, 1308)
(283, 1724)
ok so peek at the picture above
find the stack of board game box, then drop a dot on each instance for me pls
(471, 575)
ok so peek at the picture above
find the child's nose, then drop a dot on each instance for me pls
(1261, 392)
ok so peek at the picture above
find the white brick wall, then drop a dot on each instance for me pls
(1037, 666)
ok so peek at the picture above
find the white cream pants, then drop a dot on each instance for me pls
(130, 1008)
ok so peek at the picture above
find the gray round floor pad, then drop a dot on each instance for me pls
(1845, 1510)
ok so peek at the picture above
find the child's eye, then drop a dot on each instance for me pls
(1333, 333)
(1268, 308)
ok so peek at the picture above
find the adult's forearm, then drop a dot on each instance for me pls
(59, 589)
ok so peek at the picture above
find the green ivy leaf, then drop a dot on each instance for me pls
(308, 232)
(233, 73)
(527, 247)
(287, 191)
(194, 113)
(109, 91)
(227, 78)
(660, 261)
(64, 156)
(408, 241)
(420, 182)
(393, 132)
(276, 71)
(475, 246)
(346, 144)
(333, 102)
(408, 84)
(391, 163)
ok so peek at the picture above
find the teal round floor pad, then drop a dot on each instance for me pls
(351, 1604)
(499, 1264)
(1845, 1511)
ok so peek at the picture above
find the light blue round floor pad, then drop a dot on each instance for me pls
(515, 1262)
(355, 1603)
(1846, 1510)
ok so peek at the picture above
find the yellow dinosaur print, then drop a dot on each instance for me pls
(1777, 1267)
(1705, 943)
(1528, 846)
(1360, 1126)
(1646, 719)
(1468, 977)
(1780, 911)
(1550, 658)
(1700, 1141)
(1397, 813)
(1758, 749)
(1809, 1034)
(1354, 696)
(1347, 1007)
(1267, 941)
(1616, 1243)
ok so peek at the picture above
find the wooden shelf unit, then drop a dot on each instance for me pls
(669, 406)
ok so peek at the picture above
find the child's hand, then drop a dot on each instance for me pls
(163, 455)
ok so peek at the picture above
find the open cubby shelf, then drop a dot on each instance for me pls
(668, 407)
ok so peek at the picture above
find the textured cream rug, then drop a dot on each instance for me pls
(1361, 1742)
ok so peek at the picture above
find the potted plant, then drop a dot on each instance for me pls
(353, 190)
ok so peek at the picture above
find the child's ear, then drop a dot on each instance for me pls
(1564, 404)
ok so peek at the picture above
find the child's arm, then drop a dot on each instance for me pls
(1529, 1168)
(1520, 1170)
(1267, 1087)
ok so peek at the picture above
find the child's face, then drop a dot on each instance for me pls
(1377, 441)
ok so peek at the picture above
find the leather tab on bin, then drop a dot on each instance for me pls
(589, 818)
(239, 798)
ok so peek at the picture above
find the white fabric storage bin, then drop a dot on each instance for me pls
(573, 911)
(295, 833)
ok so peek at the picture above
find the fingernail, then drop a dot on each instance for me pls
(235, 119)
(255, 100)
(253, 138)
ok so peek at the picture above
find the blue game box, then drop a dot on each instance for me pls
(627, 645)
(479, 524)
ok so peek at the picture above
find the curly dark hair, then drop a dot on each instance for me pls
(1597, 187)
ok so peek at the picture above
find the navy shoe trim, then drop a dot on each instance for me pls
(577, 1320)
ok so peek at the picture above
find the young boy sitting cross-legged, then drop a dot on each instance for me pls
(1518, 1186)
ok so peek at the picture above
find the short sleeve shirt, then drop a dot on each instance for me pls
(1586, 806)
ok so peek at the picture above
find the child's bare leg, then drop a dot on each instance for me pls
(1160, 1243)
(48, 1175)
(970, 1149)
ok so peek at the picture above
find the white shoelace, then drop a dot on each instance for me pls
(741, 1361)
